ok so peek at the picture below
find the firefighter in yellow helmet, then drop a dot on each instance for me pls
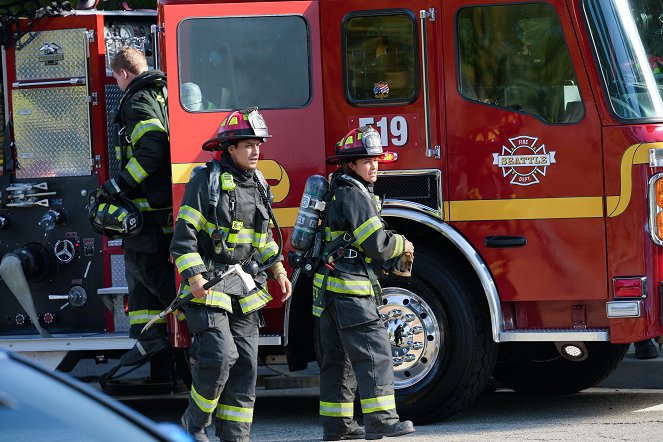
(354, 347)
(224, 220)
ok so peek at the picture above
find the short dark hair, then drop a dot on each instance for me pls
(131, 60)
(345, 164)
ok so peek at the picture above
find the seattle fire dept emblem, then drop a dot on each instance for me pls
(524, 160)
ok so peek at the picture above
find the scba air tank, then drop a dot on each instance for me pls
(311, 207)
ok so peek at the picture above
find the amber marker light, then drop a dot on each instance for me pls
(659, 193)
(655, 203)
(388, 157)
(659, 207)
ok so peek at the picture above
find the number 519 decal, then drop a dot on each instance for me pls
(395, 130)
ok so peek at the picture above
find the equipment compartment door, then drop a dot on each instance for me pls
(52, 124)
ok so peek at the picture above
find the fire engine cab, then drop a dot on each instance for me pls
(524, 161)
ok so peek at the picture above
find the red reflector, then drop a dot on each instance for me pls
(125, 301)
(630, 287)
(388, 157)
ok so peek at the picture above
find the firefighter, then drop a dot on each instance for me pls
(145, 178)
(354, 347)
(224, 220)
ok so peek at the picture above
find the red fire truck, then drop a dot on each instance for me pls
(524, 153)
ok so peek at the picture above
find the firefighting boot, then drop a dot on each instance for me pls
(142, 350)
(357, 433)
(394, 428)
(645, 349)
(198, 434)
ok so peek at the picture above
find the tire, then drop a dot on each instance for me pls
(538, 368)
(441, 374)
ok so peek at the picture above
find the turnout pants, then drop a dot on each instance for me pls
(354, 351)
(151, 283)
(224, 368)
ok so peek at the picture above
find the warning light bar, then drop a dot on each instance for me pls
(388, 157)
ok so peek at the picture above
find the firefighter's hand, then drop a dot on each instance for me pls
(110, 188)
(409, 247)
(286, 286)
(196, 286)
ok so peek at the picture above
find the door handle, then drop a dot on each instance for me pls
(504, 241)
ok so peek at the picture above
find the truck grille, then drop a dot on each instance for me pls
(422, 187)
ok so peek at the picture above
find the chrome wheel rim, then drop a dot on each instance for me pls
(414, 335)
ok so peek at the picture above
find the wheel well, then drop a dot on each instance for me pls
(422, 235)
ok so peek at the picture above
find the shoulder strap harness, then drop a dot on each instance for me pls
(340, 248)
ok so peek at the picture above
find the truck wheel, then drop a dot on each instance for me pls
(538, 368)
(442, 348)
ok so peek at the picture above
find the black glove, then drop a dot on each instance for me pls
(109, 189)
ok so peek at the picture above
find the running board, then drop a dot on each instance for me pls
(81, 342)
(555, 335)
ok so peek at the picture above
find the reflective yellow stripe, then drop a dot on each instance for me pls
(259, 239)
(136, 170)
(192, 216)
(268, 251)
(534, 208)
(111, 208)
(360, 287)
(143, 127)
(144, 205)
(236, 414)
(367, 228)
(381, 403)
(331, 236)
(213, 298)
(243, 236)
(255, 301)
(187, 261)
(400, 246)
(143, 316)
(206, 405)
(336, 409)
(317, 311)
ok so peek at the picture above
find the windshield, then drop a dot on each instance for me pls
(628, 38)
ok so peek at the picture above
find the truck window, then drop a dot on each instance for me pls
(238, 62)
(627, 37)
(515, 57)
(380, 57)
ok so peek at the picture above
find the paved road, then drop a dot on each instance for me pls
(596, 414)
(628, 407)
